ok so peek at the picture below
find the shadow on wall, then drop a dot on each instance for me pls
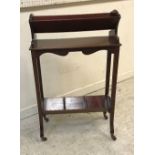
(70, 4)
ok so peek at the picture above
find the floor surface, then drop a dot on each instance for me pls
(83, 134)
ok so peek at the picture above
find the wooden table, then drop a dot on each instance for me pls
(88, 45)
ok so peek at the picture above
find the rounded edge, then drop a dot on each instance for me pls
(43, 139)
(113, 137)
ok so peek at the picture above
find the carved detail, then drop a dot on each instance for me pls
(88, 52)
(63, 53)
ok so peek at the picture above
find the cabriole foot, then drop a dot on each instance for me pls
(113, 137)
(105, 116)
(43, 138)
(46, 119)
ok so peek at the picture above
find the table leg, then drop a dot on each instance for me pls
(35, 60)
(113, 93)
(108, 73)
(41, 87)
(108, 66)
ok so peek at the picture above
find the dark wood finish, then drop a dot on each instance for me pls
(108, 73)
(88, 45)
(70, 23)
(35, 61)
(113, 93)
(108, 67)
(75, 44)
(74, 104)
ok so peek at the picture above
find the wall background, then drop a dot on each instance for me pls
(36, 3)
(75, 74)
(32, 3)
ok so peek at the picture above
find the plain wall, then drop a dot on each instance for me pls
(75, 74)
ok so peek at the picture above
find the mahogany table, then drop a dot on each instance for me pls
(88, 45)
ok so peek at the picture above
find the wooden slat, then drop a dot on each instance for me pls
(95, 102)
(74, 104)
(51, 104)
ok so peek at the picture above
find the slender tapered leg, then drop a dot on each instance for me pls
(113, 93)
(41, 88)
(108, 66)
(35, 60)
(108, 73)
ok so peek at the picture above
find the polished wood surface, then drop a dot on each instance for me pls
(75, 44)
(88, 45)
(74, 104)
(70, 23)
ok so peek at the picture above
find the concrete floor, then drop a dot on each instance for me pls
(83, 134)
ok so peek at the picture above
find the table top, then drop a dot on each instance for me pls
(75, 44)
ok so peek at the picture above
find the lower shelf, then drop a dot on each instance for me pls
(77, 104)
